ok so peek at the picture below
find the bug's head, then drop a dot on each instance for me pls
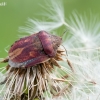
(56, 41)
(49, 42)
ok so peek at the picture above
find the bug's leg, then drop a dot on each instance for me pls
(4, 60)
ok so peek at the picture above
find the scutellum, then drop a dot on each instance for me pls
(40, 81)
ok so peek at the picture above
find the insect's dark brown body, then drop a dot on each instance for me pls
(34, 49)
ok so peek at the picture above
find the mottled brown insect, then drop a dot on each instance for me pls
(34, 49)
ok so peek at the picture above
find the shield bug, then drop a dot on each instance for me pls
(34, 49)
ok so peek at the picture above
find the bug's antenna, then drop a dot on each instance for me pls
(69, 63)
(65, 50)
(64, 32)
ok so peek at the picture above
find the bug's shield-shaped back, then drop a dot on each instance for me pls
(27, 52)
(33, 49)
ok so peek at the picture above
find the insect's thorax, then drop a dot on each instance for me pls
(25, 49)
